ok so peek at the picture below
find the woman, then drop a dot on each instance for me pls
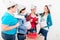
(46, 21)
(22, 29)
(9, 22)
(32, 17)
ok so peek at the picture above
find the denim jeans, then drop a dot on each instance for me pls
(32, 30)
(21, 36)
(44, 33)
(8, 37)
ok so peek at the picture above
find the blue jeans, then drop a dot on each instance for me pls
(21, 36)
(8, 37)
(44, 33)
(32, 30)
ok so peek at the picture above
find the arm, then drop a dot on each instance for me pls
(28, 17)
(49, 20)
(19, 16)
(6, 27)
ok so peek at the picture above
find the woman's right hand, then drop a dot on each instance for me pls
(6, 27)
(18, 24)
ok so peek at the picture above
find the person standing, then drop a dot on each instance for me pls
(32, 17)
(45, 22)
(9, 22)
(22, 29)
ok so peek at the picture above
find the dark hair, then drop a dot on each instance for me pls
(11, 7)
(22, 10)
(48, 10)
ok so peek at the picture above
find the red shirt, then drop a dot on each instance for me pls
(33, 23)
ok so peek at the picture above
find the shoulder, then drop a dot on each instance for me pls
(28, 15)
(49, 15)
(6, 16)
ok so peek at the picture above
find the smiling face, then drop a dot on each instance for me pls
(33, 10)
(13, 9)
(45, 9)
(23, 10)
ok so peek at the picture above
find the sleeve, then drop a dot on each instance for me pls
(28, 17)
(19, 16)
(49, 21)
(6, 20)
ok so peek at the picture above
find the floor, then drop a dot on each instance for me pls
(40, 37)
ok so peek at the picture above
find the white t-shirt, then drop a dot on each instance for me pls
(44, 22)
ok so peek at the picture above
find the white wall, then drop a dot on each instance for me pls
(55, 9)
(54, 32)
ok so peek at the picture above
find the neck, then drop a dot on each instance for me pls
(46, 12)
(10, 12)
(32, 13)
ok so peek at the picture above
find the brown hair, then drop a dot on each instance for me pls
(22, 10)
(48, 10)
(11, 7)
